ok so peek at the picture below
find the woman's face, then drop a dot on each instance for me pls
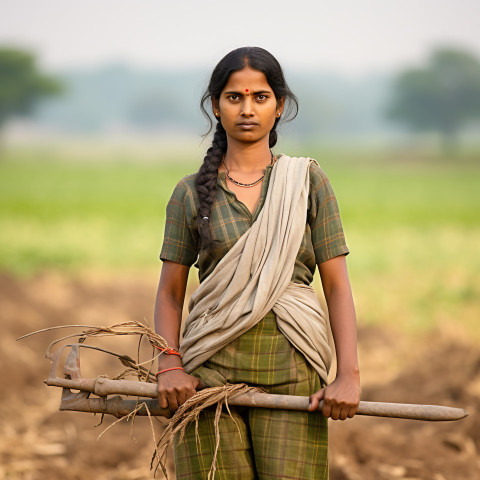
(247, 106)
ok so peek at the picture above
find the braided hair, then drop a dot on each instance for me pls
(206, 179)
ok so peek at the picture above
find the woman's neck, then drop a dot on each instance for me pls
(247, 158)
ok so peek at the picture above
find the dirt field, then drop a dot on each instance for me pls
(39, 442)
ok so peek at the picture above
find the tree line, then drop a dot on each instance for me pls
(443, 95)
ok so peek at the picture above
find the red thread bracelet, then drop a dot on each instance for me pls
(168, 369)
(169, 351)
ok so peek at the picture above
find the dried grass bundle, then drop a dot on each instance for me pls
(186, 413)
(127, 328)
(189, 412)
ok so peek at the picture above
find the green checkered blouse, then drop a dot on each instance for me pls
(230, 219)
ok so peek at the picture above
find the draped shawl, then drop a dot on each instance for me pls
(254, 277)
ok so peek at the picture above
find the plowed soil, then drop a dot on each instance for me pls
(39, 442)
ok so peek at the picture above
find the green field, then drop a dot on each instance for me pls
(413, 226)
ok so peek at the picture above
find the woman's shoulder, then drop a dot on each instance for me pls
(185, 187)
(319, 188)
(315, 168)
(317, 174)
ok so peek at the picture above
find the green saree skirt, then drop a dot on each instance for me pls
(260, 443)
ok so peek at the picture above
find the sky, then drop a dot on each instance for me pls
(352, 37)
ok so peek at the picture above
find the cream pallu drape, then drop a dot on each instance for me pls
(254, 277)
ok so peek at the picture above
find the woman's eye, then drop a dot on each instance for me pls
(261, 98)
(234, 98)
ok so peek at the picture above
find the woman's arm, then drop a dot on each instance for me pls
(341, 397)
(174, 386)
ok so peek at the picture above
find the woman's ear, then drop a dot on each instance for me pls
(280, 106)
(215, 107)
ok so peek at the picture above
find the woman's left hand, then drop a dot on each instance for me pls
(340, 398)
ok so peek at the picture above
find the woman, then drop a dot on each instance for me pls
(257, 226)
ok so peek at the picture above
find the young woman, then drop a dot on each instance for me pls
(257, 227)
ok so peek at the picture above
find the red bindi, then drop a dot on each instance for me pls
(246, 90)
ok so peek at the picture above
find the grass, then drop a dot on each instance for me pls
(412, 225)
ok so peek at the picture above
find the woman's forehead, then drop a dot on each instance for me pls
(247, 79)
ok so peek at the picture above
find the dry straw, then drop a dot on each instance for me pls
(188, 412)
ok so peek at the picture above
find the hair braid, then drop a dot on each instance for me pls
(206, 178)
(272, 139)
(206, 183)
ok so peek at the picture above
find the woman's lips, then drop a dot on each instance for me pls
(247, 125)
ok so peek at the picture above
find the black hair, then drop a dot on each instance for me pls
(206, 179)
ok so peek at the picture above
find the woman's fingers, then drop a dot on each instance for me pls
(162, 399)
(337, 411)
(344, 413)
(338, 407)
(340, 410)
(327, 408)
(315, 400)
(175, 388)
(172, 398)
(341, 398)
(181, 397)
(352, 411)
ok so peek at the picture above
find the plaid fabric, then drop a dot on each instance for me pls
(230, 219)
(262, 443)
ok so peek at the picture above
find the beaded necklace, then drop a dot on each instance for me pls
(240, 184)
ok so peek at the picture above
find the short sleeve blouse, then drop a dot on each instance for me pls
(323, 238)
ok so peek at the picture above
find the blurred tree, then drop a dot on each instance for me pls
(444, 96)
(21, 84)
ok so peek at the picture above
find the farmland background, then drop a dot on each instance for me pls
(99, 119)
(81, 232)
(411, 222)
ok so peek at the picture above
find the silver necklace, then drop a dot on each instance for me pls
(240, 184)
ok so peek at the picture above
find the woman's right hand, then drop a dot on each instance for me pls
(175, 387)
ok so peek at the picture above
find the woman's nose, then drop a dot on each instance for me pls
(247, 107)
